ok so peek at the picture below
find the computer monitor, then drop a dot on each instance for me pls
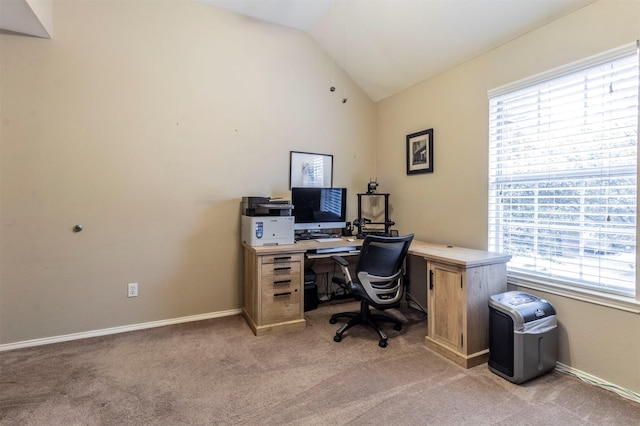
(319, 208)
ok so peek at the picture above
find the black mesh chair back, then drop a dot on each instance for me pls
(378, 282)
(383, 256)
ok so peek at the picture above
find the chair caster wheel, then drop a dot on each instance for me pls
(337, 338)
(332, 320)
(397, 327)
(382, 343)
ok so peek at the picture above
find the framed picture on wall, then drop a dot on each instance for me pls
(420, 152)
(307, 169)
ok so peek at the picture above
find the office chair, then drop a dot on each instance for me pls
(378, 283)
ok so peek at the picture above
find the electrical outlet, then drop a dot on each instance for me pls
(132, 290)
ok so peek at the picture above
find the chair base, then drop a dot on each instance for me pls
(365, 317)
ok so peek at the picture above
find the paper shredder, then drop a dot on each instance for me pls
(523, 336)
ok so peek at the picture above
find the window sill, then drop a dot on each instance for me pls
(622, 303)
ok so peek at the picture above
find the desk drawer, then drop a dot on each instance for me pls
(281, 304)
(281, 289)
(281, 276)
(281, 258)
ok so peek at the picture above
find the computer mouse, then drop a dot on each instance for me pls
(350, 239)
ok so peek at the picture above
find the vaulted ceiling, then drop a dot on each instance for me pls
(387, 46)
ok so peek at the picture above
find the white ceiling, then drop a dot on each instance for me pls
(387, 46)
(29, 17)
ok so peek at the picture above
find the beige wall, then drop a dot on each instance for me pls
(450, 205)
(146, 122)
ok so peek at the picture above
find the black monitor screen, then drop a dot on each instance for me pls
(319, 206)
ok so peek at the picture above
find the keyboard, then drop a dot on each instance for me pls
(348, 249)
(328, 240)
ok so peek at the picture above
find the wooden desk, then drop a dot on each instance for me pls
(274, 284)
(459, 281)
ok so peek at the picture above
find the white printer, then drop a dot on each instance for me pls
(267, 230)
(266, 221)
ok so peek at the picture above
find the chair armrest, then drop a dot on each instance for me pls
(340, 260)
(344, 265)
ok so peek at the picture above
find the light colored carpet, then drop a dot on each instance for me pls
(216, 372)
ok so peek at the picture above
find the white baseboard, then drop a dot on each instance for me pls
(588, 378)
(115, 330)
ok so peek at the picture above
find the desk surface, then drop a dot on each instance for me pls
(432, 251)
(457, 255)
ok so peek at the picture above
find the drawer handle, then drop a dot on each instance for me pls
(284, 268)
(282, 282)
(288, 293)
(282, 259)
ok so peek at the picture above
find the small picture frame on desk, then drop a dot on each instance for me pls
(420, 152)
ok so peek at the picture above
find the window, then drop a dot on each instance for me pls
(563, 174)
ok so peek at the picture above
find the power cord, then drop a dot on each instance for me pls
(626, 393)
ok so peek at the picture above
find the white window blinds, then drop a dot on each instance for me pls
(563, 173)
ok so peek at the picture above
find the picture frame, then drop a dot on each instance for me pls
(420, 152)
(309, 169)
